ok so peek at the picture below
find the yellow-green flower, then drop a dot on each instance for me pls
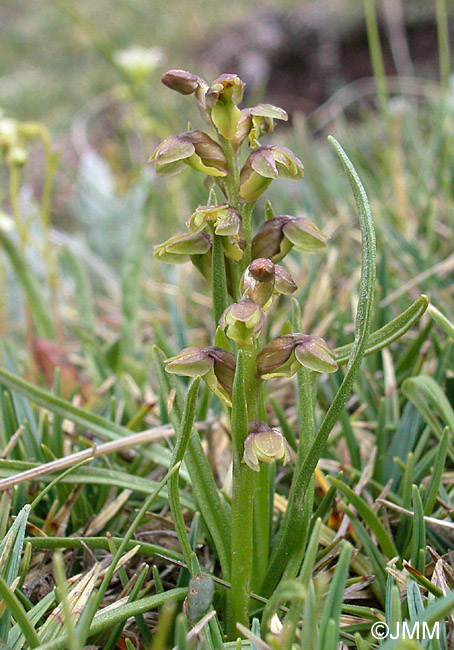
(263, 445)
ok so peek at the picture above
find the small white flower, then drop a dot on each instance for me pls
(138, 61)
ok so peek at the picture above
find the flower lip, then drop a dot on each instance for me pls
(264, 444)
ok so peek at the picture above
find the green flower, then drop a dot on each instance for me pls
(262, 279)
(215, 365)
(264, 165)
(193, 148)
(222, 98)
(277, 236)
(179, 248)
(242, 320)
(283, 356)
(264, 444)
(225, 219)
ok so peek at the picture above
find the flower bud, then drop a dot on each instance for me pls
(262, 279)
(242, 320)
(257, 282)
(282, 356)
(11, 142)
(193, 148)
(181, 81)
(215, 365)
(179, 248)
(277, 236)
(222, 98)
(265, 164)
(264, 444)
(277, 358)
(262, 269)
(226, 220)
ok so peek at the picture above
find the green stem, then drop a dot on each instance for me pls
(246, 391)
(263, 498)
(262, 512)
(247, 232)
(232, 180)
(218, 279)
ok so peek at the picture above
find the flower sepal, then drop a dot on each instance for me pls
(264, 445)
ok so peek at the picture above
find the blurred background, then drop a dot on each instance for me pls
(86, 76)
(58, 55)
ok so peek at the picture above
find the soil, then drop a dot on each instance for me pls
(303, 56)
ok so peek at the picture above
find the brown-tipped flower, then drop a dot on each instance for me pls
(225, 219)
(193, 148)
(282, 356)
(222, 98)
(242, 321)
(262, 279)
(225, 87)
(277, 236)
(179, 248)
(262, 118)
(215, 365)
(181, 81)
(264, 444)
(265, 164)
(262, 269)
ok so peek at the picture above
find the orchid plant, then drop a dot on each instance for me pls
(243, 266)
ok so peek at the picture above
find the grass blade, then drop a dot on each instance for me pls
(389, 333)
(301, 480)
